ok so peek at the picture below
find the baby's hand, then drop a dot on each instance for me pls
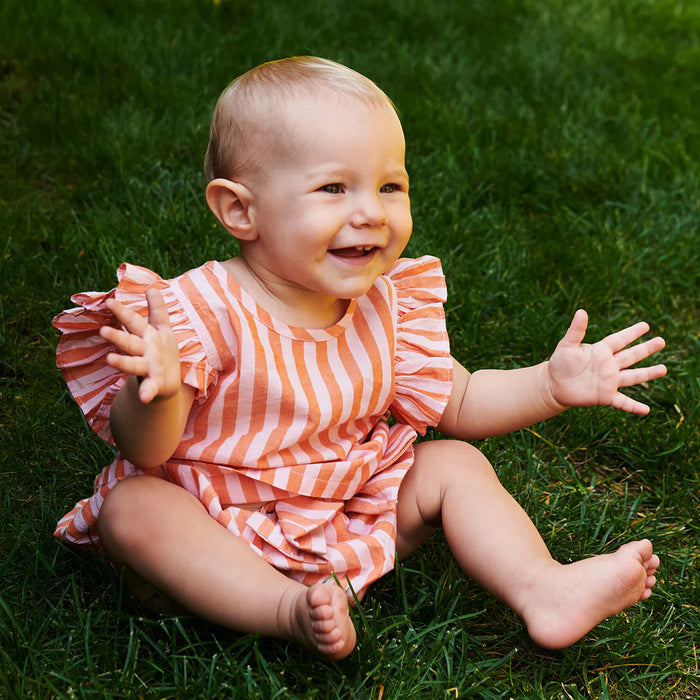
(150, 348)
(590, 375)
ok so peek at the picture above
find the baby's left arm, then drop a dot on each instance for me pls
(495, 402)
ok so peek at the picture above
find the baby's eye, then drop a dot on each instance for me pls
(390, 187)
(333, 188)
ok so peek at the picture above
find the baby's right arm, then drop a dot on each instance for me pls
(149, 414)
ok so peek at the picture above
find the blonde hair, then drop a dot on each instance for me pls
(247, 107)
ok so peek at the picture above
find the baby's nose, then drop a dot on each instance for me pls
(369, 211)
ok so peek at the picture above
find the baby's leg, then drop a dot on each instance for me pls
(163, 536)
(453, 485)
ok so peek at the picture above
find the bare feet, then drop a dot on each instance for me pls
(566, 601)
(320, 618)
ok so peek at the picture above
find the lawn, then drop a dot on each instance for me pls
(554, 153)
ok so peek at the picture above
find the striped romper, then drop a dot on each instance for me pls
(298, 439)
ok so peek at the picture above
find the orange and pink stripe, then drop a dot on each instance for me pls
(292, 420)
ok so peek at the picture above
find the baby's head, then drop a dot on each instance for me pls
(246, 115)
(306, 169)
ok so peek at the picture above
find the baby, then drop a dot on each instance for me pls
(266, 408)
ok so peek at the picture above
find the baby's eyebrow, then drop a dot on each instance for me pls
(400, 174)
(339, 172)
(326, 172)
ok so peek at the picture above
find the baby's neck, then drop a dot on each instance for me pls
(311, 315)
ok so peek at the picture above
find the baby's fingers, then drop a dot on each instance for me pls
(625, 403)
(630, 377)
(577, 329)
(630, 356)
(148, 390)
(157, 311)
(126, 342)
(136, 365)
(617, 341)
(133, 322)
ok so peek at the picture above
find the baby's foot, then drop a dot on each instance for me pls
(565, 602)
(321, 619)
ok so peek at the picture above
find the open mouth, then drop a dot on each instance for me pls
(359, 251)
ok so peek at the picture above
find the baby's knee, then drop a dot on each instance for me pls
(450, 458)
(120, 521)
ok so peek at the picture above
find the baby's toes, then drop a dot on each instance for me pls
(324, 626)
(319, 596)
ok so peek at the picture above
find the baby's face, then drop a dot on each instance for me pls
(331, 205)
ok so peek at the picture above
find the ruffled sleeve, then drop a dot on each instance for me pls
(81, 352)
(423, 366)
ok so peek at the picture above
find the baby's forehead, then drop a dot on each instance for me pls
(287, 112)
(274, 125)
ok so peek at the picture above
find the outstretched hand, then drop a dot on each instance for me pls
(149, 348)
(591, 375)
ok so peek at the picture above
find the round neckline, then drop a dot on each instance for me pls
(233, 286)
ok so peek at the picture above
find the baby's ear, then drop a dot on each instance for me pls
(230, 203)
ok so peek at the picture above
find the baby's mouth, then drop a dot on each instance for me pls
(358, 251)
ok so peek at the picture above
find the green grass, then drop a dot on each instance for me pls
(554, 152)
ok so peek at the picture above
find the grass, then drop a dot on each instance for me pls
(554, 154)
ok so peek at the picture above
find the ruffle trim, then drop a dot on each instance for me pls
(81, 353)
(423, 364)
